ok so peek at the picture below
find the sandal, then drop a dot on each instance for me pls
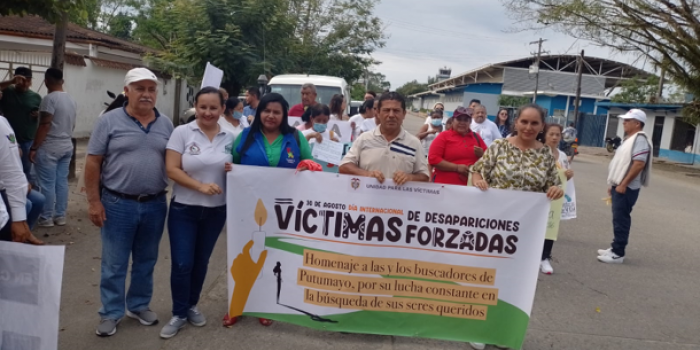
(228, 322)
(265, 322)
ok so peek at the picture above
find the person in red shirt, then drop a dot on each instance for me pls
(454, 151)
(308, 99)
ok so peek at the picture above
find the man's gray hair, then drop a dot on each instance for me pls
(309, 86)
(480, 106)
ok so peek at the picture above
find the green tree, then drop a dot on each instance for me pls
(512, 101)
(637, 90)
(412, 87)
(50, 10)
(246, 38)
(667, 33)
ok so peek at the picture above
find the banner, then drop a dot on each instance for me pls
(555, 211)
(30, 296)
(346, 253)
(568, 210)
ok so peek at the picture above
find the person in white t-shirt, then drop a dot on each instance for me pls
(481, 125)
(370, 123)
(232, 119)
(195, 160)
(366, 112)
(320, 115)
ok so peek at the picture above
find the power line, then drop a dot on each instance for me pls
(412, 26)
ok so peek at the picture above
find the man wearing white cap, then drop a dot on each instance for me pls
(629, 170)
(125, 181)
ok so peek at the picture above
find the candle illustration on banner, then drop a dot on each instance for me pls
(259, 235)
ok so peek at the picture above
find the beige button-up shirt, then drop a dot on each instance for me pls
(371, 151)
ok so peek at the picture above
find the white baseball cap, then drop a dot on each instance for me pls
(139, 74)
(637, 114)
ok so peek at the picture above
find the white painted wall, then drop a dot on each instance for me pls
(666, 136)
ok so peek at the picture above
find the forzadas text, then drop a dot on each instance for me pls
(455, 232)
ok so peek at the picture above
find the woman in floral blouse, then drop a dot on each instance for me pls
(520, 162)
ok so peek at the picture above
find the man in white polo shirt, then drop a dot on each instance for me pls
(388, 151)
(481, 125)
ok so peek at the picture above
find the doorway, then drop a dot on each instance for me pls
(656, 136)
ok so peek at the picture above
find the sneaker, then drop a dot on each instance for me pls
(611, 258)
(44, 223)
(107, 327)
(175, 325)
(60, 221)
(604, 251)
(195, 317)
(146, 317)
(477, 346)
(546, 267)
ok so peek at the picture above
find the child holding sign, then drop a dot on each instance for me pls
(319, 115)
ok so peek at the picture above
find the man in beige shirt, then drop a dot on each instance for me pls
(388, 150)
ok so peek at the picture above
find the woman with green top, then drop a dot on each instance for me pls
(520, 162)
(270, 141)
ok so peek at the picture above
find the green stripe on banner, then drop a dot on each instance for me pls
(504, 322)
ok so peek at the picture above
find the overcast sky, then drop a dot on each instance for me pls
(462, 35)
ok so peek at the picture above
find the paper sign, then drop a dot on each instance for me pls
(294, 121)
(568, 210)
(212, 76)
(342, 129)
(555, 211)
(328, 151)
(30, 296)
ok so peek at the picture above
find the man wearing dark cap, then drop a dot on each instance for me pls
(20, 106)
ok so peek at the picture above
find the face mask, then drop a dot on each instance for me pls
(436, 122)
(237, 115)
(320, 127)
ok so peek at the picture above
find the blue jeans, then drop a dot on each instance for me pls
(193, 232)
(622, 220)
(52, 176)
(35, 204)
(26, 164)
(131, 229)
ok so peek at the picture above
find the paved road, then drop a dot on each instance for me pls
(650, 302)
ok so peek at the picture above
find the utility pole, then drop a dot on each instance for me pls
(577, 101)
(537, 65)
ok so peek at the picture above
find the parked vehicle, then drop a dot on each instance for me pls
(289, 86)
(611, 144)
(570, 148)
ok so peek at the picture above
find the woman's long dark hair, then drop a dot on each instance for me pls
(231, 104)
(336, 105)
(498, 120)
(256, 126)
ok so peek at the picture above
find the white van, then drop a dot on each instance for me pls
(289, 86)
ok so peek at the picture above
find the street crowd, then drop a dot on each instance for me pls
(134, 151)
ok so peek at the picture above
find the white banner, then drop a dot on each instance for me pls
(30, 296)
(568, 209)
(294, 121)
(346, 253)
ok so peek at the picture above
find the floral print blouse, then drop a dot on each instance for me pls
(505, 166)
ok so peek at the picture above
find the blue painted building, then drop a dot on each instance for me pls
(555, 89)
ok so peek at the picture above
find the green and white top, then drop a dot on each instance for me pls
(505, 166)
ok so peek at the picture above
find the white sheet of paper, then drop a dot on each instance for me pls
(294, 121)
(341, 129)
(30, 296)
(212, 76)
(328, 151)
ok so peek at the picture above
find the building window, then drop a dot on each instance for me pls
(683, 136)
(558, 113)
